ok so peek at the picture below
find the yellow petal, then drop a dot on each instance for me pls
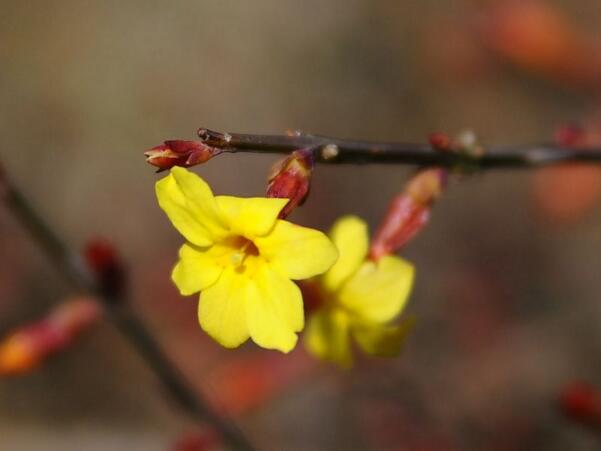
(195, 270)
(221, 310)
(327, 336)
(274, 310)
(297, 252)
(190, 205)
(383, 341)
(349, 235)
(250, 217)
(378, 291)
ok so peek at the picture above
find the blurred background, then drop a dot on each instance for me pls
(508, 271)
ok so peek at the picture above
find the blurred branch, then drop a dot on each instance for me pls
(345, 151)
(125, 319)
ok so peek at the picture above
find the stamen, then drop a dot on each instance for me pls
(237, 258)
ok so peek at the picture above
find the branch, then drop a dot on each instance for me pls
(345, 151)
(125, 319)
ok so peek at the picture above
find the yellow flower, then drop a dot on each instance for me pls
(360, 298)
(242, 258)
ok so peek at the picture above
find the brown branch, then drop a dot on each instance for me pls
(125, 319)
(345, 151)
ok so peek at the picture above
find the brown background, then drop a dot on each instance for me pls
(507, 301)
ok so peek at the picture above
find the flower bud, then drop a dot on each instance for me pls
(408, 212)
(76, 316)
(465, 145)
(440, 141)
(539, 37)
(291, 178)
(567, 193)
(180, 153)
(106, 265)
(28, 347)
(581, 402)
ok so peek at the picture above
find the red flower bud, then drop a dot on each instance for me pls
(440, 141)
(567, 193)
(291, 178)
(28, 347)
(539, 37)
(76, 316)
(180, 153)
(106, 265)
(581, 402)
(408, 212)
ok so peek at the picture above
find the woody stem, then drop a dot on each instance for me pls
(346, 151)
(125, 319)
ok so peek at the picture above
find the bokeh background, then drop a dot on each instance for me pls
(507, 293)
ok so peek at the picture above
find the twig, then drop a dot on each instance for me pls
(345, 151)
(125, 319)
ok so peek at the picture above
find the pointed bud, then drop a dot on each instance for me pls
(107, 267)
(180, 153)
(28, 347)
(408, 212)
(291, 178)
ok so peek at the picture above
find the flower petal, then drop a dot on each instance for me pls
(250, 217)
(190, 205)
(195, 270)
(297, 252)
(221, 310)
(274, 310)
(378, 291)
(327, 336)
(349, 235)
(383, 341)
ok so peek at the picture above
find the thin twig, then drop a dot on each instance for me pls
(125, 319)
(345, 151)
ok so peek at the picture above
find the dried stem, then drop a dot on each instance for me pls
(125, 319)
(345, 151)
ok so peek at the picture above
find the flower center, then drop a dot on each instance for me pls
(243, 248)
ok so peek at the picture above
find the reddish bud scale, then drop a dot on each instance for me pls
(291, 179)
(180, 153)
(581, 402)
(440, 141)
(106, 265)
(76, 316)
(567, 193)
(28, 347)
(408, 212)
